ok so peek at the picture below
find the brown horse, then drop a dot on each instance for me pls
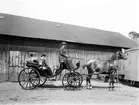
(98, 67)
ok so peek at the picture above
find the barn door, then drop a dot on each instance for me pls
(17, 63)
(4, 66)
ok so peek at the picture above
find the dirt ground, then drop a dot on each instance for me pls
(52, 93)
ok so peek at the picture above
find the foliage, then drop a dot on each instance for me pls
(133, 34)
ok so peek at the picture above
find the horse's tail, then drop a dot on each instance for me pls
(84, 66)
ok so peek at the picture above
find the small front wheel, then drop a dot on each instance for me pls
(73, 80)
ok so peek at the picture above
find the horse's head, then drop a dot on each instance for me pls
(119, 55)
(122, 55)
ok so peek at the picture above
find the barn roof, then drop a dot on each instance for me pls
(34, 28)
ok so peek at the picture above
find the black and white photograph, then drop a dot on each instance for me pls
(69, 52)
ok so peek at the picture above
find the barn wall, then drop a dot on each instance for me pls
(14, 52)
(4, 66)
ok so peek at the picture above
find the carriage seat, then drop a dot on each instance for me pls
(33, 64)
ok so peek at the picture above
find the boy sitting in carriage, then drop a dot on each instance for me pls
(47, 70)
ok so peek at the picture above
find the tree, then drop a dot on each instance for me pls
(133, 34)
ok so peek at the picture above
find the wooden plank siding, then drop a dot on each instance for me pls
(4, 66)
(15, 60)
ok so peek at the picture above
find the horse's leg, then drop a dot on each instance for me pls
(109, 84)
(90, 70)
(113, 84)
(90, 85)
(87, 82)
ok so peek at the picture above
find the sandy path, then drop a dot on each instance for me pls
(12, 94)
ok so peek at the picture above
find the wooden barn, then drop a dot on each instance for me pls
(21, 35)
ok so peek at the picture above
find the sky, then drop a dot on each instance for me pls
(112, 15)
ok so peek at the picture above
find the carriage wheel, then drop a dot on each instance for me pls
(29, 78)
(65, 80)
(81, 78)
(73, 80)
(42, 81)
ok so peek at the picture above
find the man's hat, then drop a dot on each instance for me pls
(63, 43)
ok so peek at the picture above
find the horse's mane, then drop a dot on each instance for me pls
(113, 57)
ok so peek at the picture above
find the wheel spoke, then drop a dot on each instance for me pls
(25, 82)
(73, 80)
(27, 85)
(65, 80)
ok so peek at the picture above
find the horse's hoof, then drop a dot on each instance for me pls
(90, 87)
(87, 87)
(109, 89)
(113, 89)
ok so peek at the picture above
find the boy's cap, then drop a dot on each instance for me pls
(43, 55)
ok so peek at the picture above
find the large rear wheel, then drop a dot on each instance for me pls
(65, 80)
(29, 78)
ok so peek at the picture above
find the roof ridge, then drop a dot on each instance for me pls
(35, 28)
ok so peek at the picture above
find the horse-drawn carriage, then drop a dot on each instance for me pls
(32, 76)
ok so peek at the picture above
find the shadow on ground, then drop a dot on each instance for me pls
(51, 86)
(128, 83)
(55, 87)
